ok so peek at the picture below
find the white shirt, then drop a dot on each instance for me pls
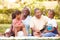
(38, 23)
(26, 23)
(52, 22)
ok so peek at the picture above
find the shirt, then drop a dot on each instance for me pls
(16, 22)
(38, 23)
(52, 22)
(26, 23)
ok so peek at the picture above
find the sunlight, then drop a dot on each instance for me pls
(11, 1)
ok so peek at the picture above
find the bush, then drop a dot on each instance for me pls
(5, 19)
(57, 14)
(5, 15)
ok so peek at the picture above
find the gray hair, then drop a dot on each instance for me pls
(28, 10)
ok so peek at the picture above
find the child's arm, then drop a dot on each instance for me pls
(24, 30)
(14, 27)
(15, 32)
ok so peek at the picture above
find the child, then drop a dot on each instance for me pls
(7, 33)
(51, 29)
(17, 24)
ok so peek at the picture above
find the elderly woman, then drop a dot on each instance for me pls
(26, 18)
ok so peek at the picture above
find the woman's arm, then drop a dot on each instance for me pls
(24, 30)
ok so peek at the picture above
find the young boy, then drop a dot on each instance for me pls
(51, 29)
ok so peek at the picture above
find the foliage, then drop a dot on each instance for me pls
(57, 12)
(5, 13)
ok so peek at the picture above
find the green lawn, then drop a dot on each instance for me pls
(3, 27)
(58, 21)
(59, 25)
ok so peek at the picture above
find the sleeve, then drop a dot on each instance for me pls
(31, 23)
(54, 23)
(46, 20)
(13, 22)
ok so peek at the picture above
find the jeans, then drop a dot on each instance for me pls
(49, 34)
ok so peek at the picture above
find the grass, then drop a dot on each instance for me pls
(58, 22)
(3, 27)
(59, 25)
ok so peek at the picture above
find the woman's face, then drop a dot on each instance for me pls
(25, 12)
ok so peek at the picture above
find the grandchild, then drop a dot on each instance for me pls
(17, 24)
(51, 29)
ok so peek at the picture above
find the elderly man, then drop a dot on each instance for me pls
(38, 22)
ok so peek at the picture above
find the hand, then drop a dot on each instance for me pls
(35, 29)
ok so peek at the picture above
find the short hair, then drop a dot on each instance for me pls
(37, 9)
(53, 12)
(17, 12)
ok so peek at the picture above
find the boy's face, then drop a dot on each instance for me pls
(50, 14)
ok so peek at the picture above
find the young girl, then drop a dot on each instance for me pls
(17, 24)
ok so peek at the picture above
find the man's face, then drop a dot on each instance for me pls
(38, 13)
(50, 14)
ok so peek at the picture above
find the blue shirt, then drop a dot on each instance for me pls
(26, 23)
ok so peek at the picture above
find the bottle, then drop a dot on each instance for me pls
(30, 32)
(49, 27)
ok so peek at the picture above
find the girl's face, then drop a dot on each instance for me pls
(18, 16)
